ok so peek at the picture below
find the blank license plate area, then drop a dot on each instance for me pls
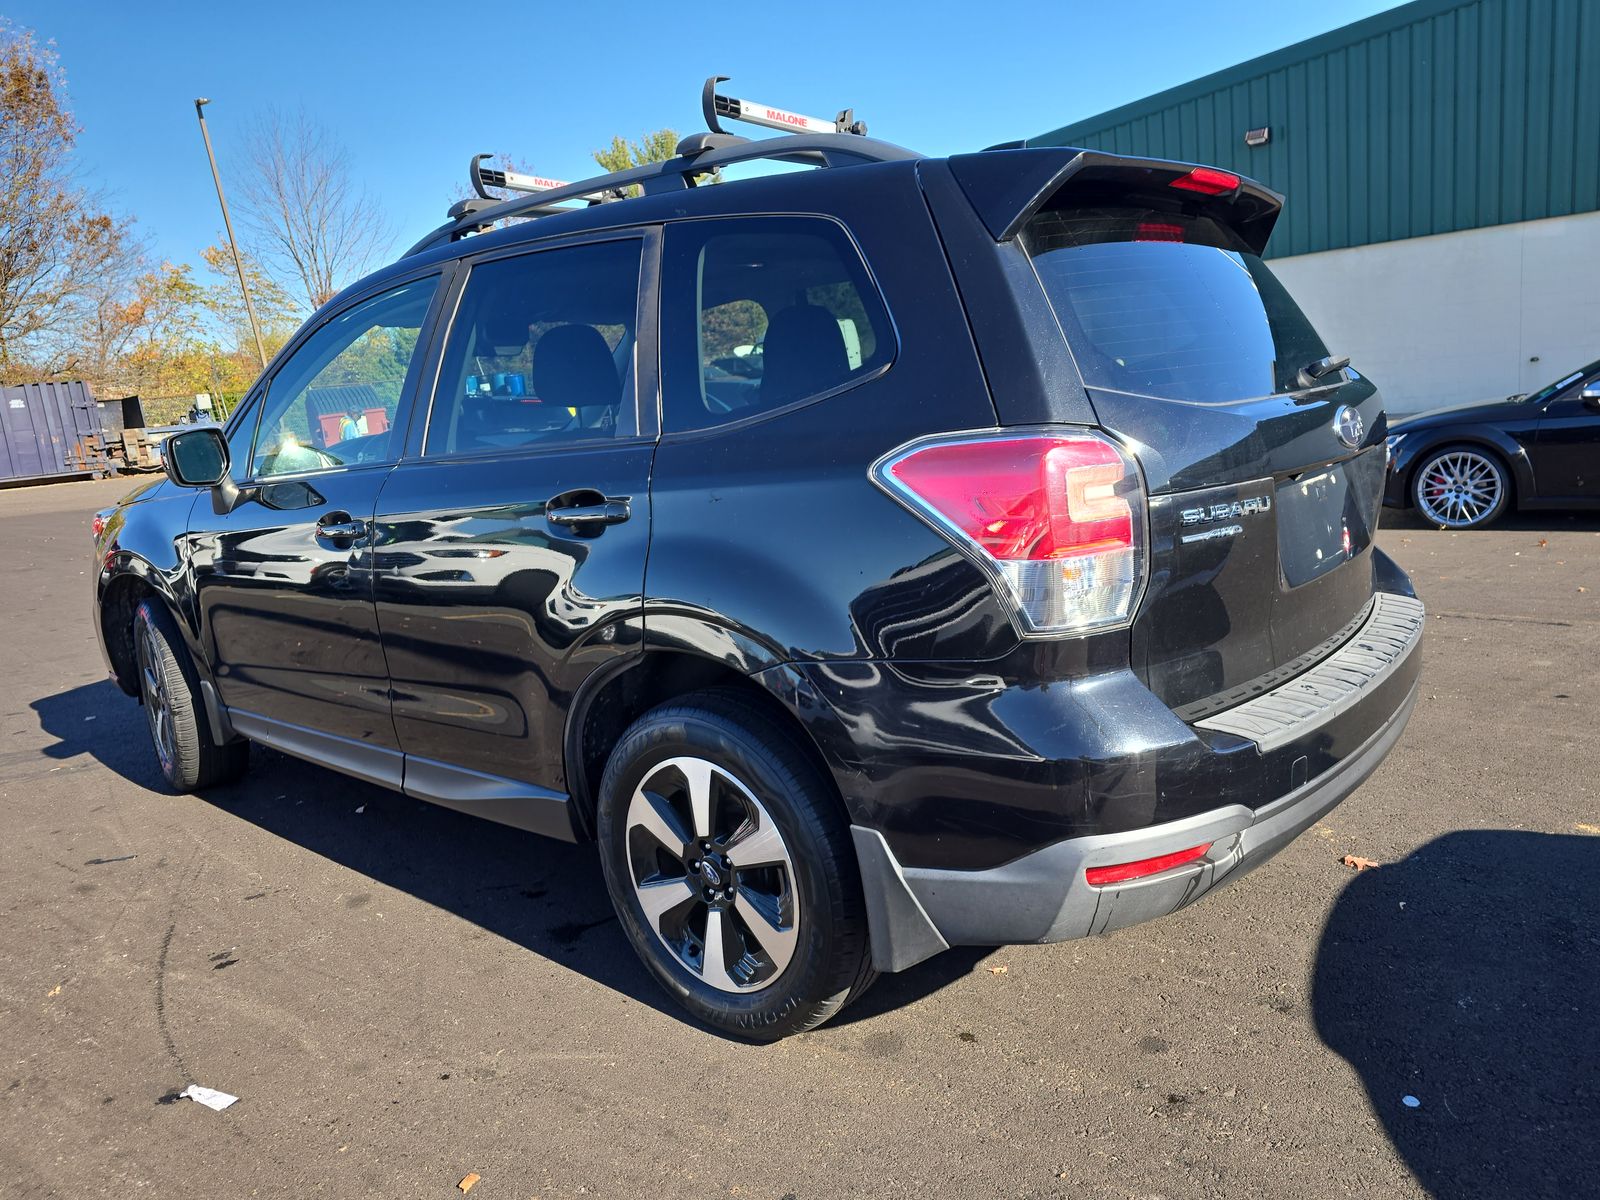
(1325, 519)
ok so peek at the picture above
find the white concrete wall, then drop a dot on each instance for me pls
(1444, 320)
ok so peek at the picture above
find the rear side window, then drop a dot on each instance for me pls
(1168, 304)
(540, 351)
(764, 312)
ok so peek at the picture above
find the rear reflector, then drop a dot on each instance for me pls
(1122, 872)
(1057, 519)
(1208, 181)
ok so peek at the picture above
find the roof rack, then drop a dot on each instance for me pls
(814, 141)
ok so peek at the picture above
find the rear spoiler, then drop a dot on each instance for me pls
(1007, 186)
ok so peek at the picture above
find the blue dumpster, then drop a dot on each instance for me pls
(50, 431)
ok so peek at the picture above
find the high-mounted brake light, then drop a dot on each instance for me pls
(1056, 519)
(1208, 181)
(1122, 872)
(1158, 231)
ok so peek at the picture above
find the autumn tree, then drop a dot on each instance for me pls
(107, 315)
(310, 224)
(55, 241)
(166, 351)
(276, 308)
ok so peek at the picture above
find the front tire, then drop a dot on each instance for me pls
(731, 868)
(1461, 487)
(190, 760)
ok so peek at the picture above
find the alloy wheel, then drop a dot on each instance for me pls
(1459, 489)
(712, 874)
(153, 690)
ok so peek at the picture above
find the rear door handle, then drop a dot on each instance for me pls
(609, 512)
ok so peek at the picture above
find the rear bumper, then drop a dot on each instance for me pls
(1045, 896)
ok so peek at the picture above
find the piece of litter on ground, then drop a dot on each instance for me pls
(1585, 827)
(1410, 1101)
(998, 970)
(466, 1184)
(210, 1097)
(55, 991)
(1356, 863)
(361, 810)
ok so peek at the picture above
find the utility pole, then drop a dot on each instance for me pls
(227, 223)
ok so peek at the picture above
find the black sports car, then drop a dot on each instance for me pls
(1462, 467)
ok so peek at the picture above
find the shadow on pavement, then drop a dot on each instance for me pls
(1538, 521)
(1468, 977)
(544, 895)
(97, 719)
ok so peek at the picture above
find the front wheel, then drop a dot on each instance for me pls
(731, 868)
(1460, 487)
(190, 760)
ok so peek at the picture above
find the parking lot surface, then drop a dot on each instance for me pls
(402, 996)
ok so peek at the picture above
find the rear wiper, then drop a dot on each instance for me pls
(1311, 372)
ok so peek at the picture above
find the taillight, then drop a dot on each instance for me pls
(1056, 519)
(1208, 181)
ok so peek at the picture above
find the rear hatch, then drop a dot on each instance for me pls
(1191, 352)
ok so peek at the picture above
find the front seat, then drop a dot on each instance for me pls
(573, 369)
(803, 353)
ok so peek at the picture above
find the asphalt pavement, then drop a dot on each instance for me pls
(402, 996)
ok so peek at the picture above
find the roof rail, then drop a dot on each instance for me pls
(809, 140)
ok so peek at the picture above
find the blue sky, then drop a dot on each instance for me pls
(415, 87)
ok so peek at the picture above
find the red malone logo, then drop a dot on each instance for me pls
(788, 118)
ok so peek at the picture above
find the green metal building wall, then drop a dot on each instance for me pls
(1436, 116)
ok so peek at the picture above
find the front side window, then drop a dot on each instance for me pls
(763, 312)
(1168, 304)
(1565, 396)
(334, 402)
(541, 351)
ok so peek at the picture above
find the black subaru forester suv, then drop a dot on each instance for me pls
(906, 553)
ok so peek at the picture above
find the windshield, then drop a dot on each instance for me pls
(1550, 389)
(1169, 304)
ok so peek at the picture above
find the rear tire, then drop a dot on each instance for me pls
(715, 819)
(190, 760)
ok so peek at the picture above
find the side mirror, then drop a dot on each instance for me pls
(1591, 396)
(196, 458)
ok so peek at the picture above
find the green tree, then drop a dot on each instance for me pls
(651, 148)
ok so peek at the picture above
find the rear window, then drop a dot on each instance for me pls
(1168, 304)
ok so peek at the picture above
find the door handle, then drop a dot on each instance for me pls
(338, 527)
(607, 512)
